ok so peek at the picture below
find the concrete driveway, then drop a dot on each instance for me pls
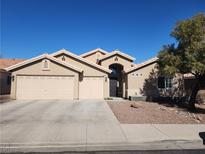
(49, 126)
(58, 122)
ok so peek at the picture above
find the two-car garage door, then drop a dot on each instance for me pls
(58, 87)
(45, 87)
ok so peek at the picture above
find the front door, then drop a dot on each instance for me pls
(113, 87)
(116, 80)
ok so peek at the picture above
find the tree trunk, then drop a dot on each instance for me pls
(200, 84)
(192, 99)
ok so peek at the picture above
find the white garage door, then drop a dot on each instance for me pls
(45, 87)
(91, 88)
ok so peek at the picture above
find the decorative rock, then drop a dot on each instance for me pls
(199, 118)
(134, 105)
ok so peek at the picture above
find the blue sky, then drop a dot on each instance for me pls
(136, 27)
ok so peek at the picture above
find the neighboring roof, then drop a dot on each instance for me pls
(141, 65)
(43, 56)
(93, 51)
(9, 62)
(3, 71)
(116, 52)
(63, 51)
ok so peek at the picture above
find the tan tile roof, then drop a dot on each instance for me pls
(93, 51)
(63, 51)
(117, 52)
(9, 62)
(42, 57)
(139, 66)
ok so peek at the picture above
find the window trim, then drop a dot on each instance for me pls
(168, 82)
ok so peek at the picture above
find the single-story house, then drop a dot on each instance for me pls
(96, 74)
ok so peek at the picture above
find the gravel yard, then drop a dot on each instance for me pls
(128, 112)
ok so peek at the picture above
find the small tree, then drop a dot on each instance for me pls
(188, 54)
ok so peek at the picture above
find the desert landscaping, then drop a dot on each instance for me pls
(140, 112)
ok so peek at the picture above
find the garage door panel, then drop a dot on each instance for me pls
(45, 87)
(91, 88)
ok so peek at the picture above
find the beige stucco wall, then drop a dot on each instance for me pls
(88, 71)
(145, 82)
(94, 56)
(36, 69)
(120, 60)
(136, 80)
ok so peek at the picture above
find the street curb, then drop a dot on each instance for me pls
(108, 147)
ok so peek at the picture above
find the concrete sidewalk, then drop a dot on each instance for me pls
(133, 137)
(161, 132)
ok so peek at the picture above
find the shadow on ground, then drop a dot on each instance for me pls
(202, 135)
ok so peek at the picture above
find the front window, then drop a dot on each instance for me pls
(168, 82)
(165, 82)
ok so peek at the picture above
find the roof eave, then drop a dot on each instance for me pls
(93, 51)
(24, 62)
(65, 64)
(81, 59)
(42, 57)
(117, 53)
(142, 65)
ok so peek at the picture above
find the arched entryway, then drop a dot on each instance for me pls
(116, 85)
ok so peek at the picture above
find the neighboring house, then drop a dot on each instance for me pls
(5, 82)
(5, 77)
(96, 74)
